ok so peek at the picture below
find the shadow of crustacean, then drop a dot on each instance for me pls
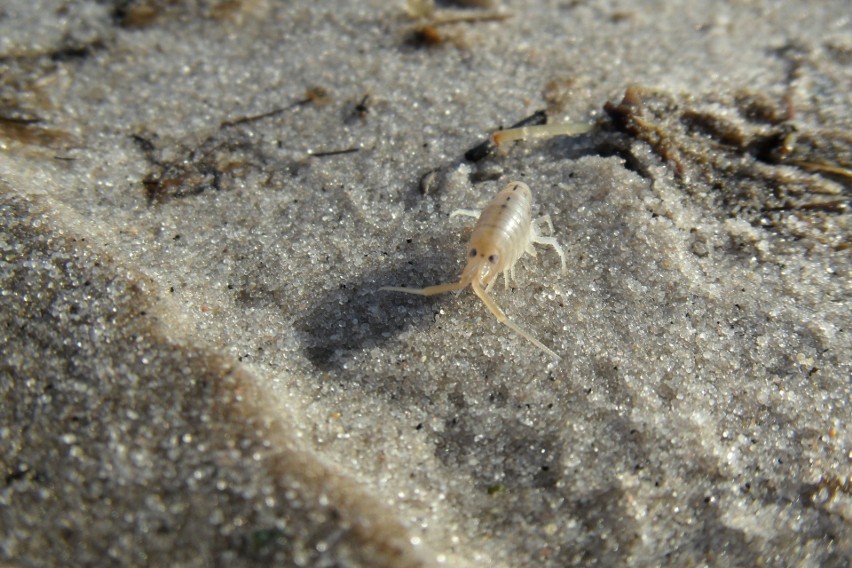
(358, 315)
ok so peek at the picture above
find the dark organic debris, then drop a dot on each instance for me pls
(758, 163)
(326, 153)
(220, 158)
(30, 130)
(213, 164)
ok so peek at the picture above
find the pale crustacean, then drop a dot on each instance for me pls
(504, 231)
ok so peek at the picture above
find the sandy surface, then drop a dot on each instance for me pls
(200, 201)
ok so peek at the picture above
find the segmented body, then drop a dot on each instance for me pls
(503, 232)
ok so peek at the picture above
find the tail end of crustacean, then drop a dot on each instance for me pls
(540, 131)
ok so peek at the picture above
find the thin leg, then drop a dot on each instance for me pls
(429, 290)
(466, 212)
(537, 237)
(509, 274)
(541, 131)
(545, 219)
(551, 241)
(501, 317)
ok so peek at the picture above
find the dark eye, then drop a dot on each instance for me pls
(492, 259)
(472, 252)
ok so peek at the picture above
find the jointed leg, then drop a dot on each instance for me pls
(538, 238)
(545, 219)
